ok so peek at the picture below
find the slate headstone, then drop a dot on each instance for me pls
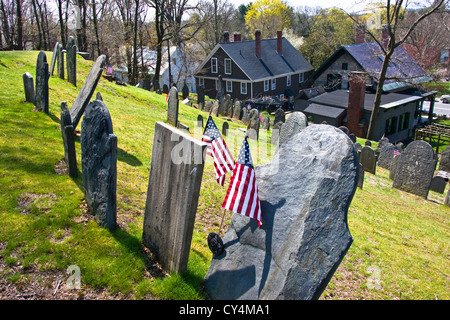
(201, 97)
(368, 143)
(386, 156)
(99, 163)
(237, 109)
(172, 107)
(225, 128)
(360, 176)
(208, 105)
(53, 62)
(200, 121)
(266, 123)
(68, 135)
(279, 116)
(175, 178)
(215, 108)
(415, 168)
(71, 61)
(368, 159)
(28, 86)
(60, 61)
(344, 129)
(393, 167)
(41, 97)
(245, 116)
(444, 163)
(87, 90)
(438, 184)
(165, 88)
(352, 137)
(304, 233)
(185, 91)
(253, 133)
(295, 122)
(275, 137)
(228, 106)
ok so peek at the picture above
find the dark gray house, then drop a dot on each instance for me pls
(254, 69)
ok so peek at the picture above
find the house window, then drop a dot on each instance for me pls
(229, 85)
(344, 66)
(266, 85)
(201, 82)
(301, 78)
(403, 123)
(227, 66)
(391, 126)
(274, 84)
(214, 65)
(288, 80)
(243, 87)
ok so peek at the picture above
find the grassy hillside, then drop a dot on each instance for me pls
(400, 248)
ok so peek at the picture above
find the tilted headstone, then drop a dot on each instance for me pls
(295, 122)
(99, 163)
(386, 156)
(253, 133)
(447, 198)
(172, 107)
(53, 62)
(279, 116)
(415, 168)
(305, 193)
(41, 97)
(28, 86)
(368, 159)
(71, 61)
(438, 184)
(87, 90)
(60, 60)
(173, 190)
(68, 135)
(185, 91)
(444, 163)
(237, 109)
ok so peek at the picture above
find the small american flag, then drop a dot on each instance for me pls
(242, 195)
(260, 117)
(167, 98)
(217, 148)
(396, 151)
(110, 69)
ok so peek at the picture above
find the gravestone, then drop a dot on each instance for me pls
(71, 61)
(368, 143)
(344, 129)
(215, 108)
(220, 96)
(393, 167)
(173, 190)
(266, 123)
(352, 137)
(304, 233)
(368, 159)
(279, 116)
(172, 107)
(386, 156)
(275, 137)
(53, 62)
(444, 163)
(228, 106)
(87, 90)
(28, 86)
(60, 60)
(165, 88)
(208, 105)
(201, 97)
(245, 116)
(68, 135)
(360, 176)
(358, 148)
(225, 128)
(99, 163)
(41, 96)
(237, 109)
(185, 91)
(147, 84)
(438, 184)
(200, 121)
(382, 142)
(295, 122)
(415, 168)
(253, 133)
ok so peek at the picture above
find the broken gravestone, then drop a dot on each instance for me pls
(305, 193)
(99, 163)
(41, 97)
(53, 62)
(28, 86)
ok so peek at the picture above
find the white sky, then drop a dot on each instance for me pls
(348, 5)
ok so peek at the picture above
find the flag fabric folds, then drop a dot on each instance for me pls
(242, 195)
(396, 151)
(217, 148)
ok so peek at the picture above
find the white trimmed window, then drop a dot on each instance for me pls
(243, 87)
(227, 66)
(301, 78)
(288, 80)
(229, 85)
(266, 85)
(201, 82)
(214, 65)
(274, 84)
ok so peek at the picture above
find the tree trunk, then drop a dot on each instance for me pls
(61, 23)
(134, 79)
(19, 25)
(94, 14)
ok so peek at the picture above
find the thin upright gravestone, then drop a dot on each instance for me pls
(415, 168)
(295, 122)
(99, 163)
(172, 107)
(53, 62)
(87, 90)
(254, 125)
(305, 193)
(28, 86)
(41, 97)
(175, 178)
(368, 159)
(386, 156)
(68, 135)
(60, 61)
(71, 61)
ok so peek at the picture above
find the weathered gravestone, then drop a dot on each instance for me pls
(225, 128)
(220, 96)
(386, 156)
(87, 90)
(228, 106)
(41, 97)
(201, 97)
(444, 164)
(185, 91)
(275, 137)
(393, 167)
(71, 61)
(295, 122)
(368, 159)
(361, 176)
(438, 184)
(245, 115)
(173, 190)
(172, 107)
(352, 137)
(53, 62)
(237, 109)
(99, 163)
(253, 132)
(415, 168)
(279, 116)
(266, 123)
(215, 108)
(68, 135)
(28, 86)
(368, 143)
(60, 60)
(200, 121)
(165, 88)
(208, 105)
(305, 193)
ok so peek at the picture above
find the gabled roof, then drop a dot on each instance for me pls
(402, 71)
(271, 64)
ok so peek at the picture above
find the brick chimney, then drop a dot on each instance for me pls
(384, 36)
(280, 42)
(226, 36)
(236, 37)
(360, 34)
(355, 109)
(258, 43)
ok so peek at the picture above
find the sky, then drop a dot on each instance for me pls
(348, 5)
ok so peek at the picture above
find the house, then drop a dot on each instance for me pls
(254, 69)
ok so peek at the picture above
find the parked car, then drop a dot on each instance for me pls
(445, 98)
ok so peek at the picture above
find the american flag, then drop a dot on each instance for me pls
(217, 148)
(110, 69)
(242, 195)
(396, 151)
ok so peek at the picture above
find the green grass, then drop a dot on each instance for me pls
(44, 225)
(442, 87)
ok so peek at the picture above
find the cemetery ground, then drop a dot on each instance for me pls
(401, 241)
